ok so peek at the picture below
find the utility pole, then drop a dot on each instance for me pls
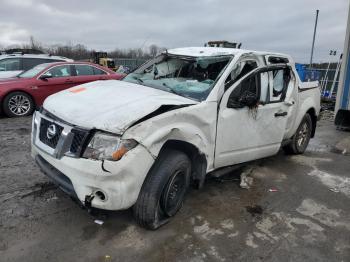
(313, 39)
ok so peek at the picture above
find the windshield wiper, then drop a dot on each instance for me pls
(139, 80)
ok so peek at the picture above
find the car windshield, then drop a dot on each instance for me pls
(33, 72)
(191, 77)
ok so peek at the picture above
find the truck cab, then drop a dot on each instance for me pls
(189, 112)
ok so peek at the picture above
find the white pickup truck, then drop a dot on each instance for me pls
(141, 142)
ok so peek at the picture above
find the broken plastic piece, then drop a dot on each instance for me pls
(273, 190)
(246, 179)
(99, 222)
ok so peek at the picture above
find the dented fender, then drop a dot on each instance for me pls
(195, 124)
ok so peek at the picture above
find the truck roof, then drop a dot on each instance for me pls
(216, 51)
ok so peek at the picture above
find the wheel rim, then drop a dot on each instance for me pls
(19, 105)
(173, 193)
(303, 135)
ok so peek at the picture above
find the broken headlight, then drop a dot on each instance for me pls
(103, 146)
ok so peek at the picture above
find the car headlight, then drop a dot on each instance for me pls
(104, 146)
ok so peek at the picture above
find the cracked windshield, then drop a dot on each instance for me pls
(191, 77)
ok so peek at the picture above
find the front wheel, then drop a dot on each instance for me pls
(18, 104)
(164, 189)
(301, 138)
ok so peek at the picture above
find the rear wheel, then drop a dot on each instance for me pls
(164, 189)
(301, 138)
(18, 104)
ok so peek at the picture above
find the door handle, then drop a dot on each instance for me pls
(68, 81)
(280, 114)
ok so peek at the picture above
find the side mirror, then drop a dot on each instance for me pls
(246, 93)
(249, 99)
(234, 99)
(45, 77)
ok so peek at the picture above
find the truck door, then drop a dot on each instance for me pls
(252, 116)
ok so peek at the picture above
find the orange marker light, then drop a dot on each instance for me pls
(119, 153)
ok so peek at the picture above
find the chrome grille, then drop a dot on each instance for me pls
(49, 139)
(63, 139)
(78, 140)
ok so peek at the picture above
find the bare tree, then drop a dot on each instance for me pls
(153, 50)
(81, 52)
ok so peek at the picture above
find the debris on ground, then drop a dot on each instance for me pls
(108, 258)
(327, 115)
(335, 190)
(273, 189)
(99, 222)
(343, 146)
(246, 179)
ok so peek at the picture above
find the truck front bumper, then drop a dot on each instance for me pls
(111, 185)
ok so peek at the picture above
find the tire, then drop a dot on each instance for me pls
(18, 104)
(301, 138)
(163, 190)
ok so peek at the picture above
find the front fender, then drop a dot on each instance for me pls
(194, 124)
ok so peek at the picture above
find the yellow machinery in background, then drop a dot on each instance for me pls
(102, 59)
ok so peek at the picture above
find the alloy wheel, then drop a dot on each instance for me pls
(19, 105)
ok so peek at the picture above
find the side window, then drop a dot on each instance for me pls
(279, 80)
(246, 93)
(59, 71)
(10, 64)
(99, 71)
(264, 89)
(51, 60)
(29, 63)
(240, 69)
(84, 70)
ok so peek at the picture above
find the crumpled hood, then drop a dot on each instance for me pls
(110, 105)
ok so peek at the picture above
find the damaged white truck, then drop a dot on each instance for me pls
(143, 141)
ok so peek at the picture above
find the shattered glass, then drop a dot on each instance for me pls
(191, 77)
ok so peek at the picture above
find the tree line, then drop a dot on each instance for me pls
(81, 52)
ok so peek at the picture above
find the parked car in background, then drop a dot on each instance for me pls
(14, 64)
(19, 96)
(186, 113)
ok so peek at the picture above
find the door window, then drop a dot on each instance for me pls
(267, 86)
(29, 63)
(10, 64)
(84, 70)
(59, 71)
(279, 82)
(98, 71)
(240, 70)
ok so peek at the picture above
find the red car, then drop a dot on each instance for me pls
(19, 96)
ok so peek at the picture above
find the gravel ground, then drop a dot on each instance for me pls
(307, 219)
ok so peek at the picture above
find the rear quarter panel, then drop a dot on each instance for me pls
(308, 98)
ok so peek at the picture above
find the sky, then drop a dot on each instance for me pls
(273, 25)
